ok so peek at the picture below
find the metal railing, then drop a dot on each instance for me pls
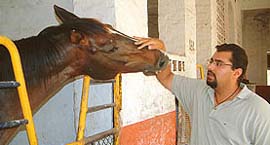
(21, 88)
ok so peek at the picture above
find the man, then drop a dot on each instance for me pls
(223, 111)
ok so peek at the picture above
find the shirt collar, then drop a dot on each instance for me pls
(241, 95)
(244, 92)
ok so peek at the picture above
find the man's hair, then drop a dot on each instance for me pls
(239, 57)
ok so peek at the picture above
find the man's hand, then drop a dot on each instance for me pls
(165, 77)
(152, 43)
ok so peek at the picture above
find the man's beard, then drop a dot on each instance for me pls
(212, 84)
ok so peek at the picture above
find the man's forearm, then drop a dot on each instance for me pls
(165, 77)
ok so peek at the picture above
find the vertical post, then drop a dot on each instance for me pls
(118, 105)
(84, 108)
(23, 95)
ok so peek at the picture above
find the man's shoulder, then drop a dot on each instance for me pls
(189, 86)
(178, 79)
(256, 103)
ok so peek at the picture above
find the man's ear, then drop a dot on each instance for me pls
(238, 72)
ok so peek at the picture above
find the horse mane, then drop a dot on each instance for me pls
(38, 54)
(88, 25)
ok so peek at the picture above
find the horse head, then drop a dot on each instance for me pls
(104, 51)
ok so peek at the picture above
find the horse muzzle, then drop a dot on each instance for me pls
(160, 65)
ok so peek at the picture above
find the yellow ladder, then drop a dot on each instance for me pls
(21, 88)
(200, 71)
(81, 140)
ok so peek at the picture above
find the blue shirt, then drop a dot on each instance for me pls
(245, 120)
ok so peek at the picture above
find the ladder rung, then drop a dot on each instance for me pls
(99, 136)
(13, 123)
(95, 82)
(9, 84)
(100, 107)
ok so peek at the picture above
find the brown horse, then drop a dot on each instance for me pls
(60, 54)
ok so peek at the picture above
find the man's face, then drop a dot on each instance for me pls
(219, 69)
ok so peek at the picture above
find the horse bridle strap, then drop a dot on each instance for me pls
(122, 34)
(130, 38)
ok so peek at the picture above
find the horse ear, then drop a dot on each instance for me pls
(64, 15)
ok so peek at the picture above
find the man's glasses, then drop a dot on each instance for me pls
(217, 63)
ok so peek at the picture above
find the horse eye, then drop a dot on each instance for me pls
(114, 49)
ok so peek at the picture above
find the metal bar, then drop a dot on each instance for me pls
(95, 137)
(13, 123)
(99, 136)
(23, 95)
(100, 107)
(83, 110)
(9, 84)
(201, 70)
(117, 90)
(80, 142)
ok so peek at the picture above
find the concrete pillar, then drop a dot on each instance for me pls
(177, 27)
(203, 31)
(233, 24)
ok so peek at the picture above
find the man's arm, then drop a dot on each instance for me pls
(165, 77)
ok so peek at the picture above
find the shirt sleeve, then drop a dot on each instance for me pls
(262, 125)
(186, 90)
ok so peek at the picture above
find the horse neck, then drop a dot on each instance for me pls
(47, 65)
(43, 57)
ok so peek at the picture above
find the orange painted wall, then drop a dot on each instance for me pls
(160, 130)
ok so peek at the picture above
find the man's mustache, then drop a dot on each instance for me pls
(209, 72)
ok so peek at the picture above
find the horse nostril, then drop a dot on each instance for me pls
(163, 61)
